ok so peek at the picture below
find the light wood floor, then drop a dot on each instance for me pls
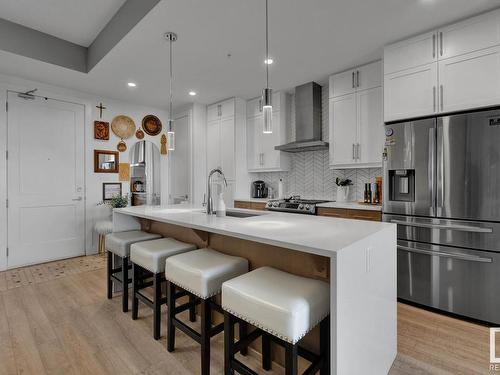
(65, 325)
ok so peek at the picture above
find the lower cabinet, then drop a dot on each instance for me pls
(350, 214)
(250, 205)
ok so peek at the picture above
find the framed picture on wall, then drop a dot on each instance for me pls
(110, 190)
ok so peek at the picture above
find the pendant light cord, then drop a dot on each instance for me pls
(267, 45)
(171, 78)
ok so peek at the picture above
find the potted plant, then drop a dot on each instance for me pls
(118, 201)
(343, 189)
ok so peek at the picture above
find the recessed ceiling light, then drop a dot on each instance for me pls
(192, 93)
(132, 84)
(268, 61)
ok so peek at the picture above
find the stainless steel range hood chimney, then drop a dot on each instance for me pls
(307, 120)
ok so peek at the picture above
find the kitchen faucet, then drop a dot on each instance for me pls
(210, 208)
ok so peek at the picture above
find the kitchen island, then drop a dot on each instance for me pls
(358, 258)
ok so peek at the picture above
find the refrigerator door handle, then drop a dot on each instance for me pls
(440, 168)
(431, 169)
(470, 258)
(461, 228)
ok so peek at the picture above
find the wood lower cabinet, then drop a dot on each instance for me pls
(351, 214)
(250, 205)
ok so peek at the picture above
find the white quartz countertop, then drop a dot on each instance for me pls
(307, 233)
(350, 206)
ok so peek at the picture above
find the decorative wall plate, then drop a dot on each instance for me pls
(121, 146)
(101, 130)
(151, 125)
(123, 126)
(139, 134)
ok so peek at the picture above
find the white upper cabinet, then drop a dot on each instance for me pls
(261, 155)
(410, 53)
(371, 136)
(221, 123)
(470, 81)
(342, 83)
(451, 69)
(471, 35)
(410, 93)
(355, 119)
(369, 76)
(220, 110)
(344, 131)
(350, 81)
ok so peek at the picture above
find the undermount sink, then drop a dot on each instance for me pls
(237, 213)
(240, 214)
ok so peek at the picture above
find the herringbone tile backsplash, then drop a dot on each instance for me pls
(310, 175)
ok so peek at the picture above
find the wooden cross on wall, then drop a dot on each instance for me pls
(101, 108)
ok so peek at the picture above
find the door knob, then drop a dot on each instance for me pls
(77, 199)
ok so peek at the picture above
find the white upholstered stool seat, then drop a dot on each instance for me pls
(285, 305)
(151, 255)
(119, 242)
(103, 227)
(203, 271)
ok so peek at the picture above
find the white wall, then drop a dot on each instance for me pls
(93, 181)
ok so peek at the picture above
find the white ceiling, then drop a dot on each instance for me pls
(308, 40)
(77, 21)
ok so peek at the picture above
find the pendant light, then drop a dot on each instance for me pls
(171, 37)
(267, 93)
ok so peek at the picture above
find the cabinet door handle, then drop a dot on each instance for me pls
(358, 154)
(353, 151)
(434, 98)
(433, 45)
(353, 85)
(260, 105)
(442, 104)
(357, 78)
(441, 43)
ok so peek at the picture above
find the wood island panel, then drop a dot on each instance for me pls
(346, 213)
(250, 205)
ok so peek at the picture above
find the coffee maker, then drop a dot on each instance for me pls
(259, 189)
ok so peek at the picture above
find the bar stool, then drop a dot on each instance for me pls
(118, 243)
(284, 308)
(148, 260)
(102, 228)
(200, 273)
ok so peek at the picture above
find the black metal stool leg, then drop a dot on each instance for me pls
(291, 363)
(324, 339)
(125, 284)
(157, 305)
(135, 288)
(192, 310)
(170, 316)
(228, 343)
(266, 352)
(206, 327)
(243, 327)
(110, 273)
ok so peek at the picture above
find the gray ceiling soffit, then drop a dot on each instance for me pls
(122, 22)
(34, 44)
(24, 41)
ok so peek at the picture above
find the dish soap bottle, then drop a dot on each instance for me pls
(220, 210)
(281, 194)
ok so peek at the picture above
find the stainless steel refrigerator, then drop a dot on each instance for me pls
(442, 188)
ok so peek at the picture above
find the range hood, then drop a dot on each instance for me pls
(307, 120)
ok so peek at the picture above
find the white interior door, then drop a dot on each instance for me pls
(180, 167)
(45, 180)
